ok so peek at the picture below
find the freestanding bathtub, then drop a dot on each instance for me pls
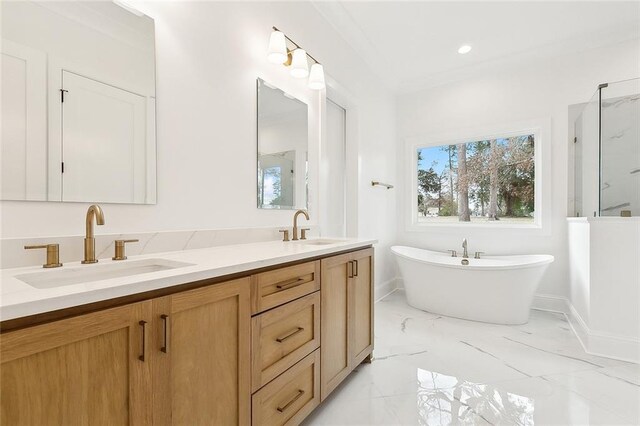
(496, 289)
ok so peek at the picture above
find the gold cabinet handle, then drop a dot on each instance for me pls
(294, 399)
(355, 262)
(290, 334)
(53, 254)
(120, 252)
(350, 268)
(284, 285)
(143, 324)
(165, 344)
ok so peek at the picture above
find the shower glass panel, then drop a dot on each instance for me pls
(607, 152)
(586, 158)
(620, 149)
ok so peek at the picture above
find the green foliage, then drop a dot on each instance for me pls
(448, 208)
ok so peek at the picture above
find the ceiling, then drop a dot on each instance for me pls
(413, 45)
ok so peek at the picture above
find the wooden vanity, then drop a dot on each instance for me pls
(261, 347)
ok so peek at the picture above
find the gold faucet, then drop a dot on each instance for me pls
(295, 222)
(89, 240)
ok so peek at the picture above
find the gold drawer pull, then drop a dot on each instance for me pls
(290, 283)
(294, 399)
(291, 334)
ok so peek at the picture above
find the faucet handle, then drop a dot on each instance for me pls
(303, 233)
(285, 237)
(120, 252)
(53, 254)
(477, 255)
(453, 253)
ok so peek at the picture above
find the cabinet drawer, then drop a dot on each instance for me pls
(274, 288)
(283, 336)
(291, 397)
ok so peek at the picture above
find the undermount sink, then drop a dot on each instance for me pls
(90, 273)
(319, 242)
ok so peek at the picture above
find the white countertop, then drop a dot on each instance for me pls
(19, 299)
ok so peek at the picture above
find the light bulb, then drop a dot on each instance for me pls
(316, 77)
(277, 48)
(299, 65)
(464, 49)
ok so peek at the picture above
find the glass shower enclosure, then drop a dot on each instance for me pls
(607, 152)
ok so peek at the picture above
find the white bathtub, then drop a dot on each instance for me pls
(496, 289)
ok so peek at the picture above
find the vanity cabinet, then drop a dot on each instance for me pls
(82, 370)
(347, 315)
(182, 359)
(261, 349)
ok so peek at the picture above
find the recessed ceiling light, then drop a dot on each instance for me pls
(464, 49)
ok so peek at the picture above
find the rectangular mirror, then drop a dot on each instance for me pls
(282, 149)
(78, 103)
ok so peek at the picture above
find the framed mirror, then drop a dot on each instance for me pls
(283, 139)
(78, 103)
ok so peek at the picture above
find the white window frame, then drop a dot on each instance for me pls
(540, 128)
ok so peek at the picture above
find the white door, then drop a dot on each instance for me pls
(24, 122)
(333, 173)
(103, 142)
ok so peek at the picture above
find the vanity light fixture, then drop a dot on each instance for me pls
(464, 49)
(296, 58)
(278, 52)
(316, 77)
(299, 64)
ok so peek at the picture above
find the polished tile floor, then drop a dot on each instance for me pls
(434, 370)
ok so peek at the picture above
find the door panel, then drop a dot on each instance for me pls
(102, 125)
(334, 334)
(362, 307)
(23, 107)
(333, 177)
(209, 355)
(84, 370)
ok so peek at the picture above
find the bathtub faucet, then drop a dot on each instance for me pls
(465, 253)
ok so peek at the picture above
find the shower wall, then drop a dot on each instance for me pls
(620, 152)
(607, 152)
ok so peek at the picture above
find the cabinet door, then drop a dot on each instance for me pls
(361, 306)
(91, 369)
(334, 319)
(203, 363)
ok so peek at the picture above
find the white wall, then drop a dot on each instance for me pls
(604, 306)
(541, 90)
(208, 57)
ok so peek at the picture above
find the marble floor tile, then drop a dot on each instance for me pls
(430, 369)
(606, 390)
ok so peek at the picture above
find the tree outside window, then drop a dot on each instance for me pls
(488, 180)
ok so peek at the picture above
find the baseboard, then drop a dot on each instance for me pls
(386, 288)
(593, 342)
(549, 302)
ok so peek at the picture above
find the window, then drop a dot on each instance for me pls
(481, 181)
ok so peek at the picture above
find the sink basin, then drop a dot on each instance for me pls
(89, 273)
(319, 242)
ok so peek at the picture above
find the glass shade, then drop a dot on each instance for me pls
(277, 48)
(316, 77)
(299, 64)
